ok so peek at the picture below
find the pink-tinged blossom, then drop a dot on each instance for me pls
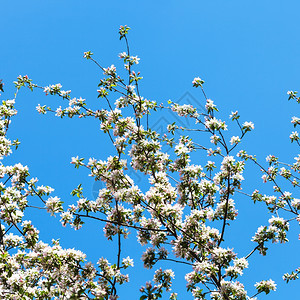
(295, 121)
(296, 203)
(235, 140)
(234, 115)
(215, 124)
(54, 205)
(294, 136)
(247, 126)
(265, 286)
(210, 106)
(197, 82)
(41, 109)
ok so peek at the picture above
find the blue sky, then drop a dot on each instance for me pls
(246, 51)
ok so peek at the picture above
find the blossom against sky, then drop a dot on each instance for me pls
(247, 54)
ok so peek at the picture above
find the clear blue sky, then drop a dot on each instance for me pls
(246, 51)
